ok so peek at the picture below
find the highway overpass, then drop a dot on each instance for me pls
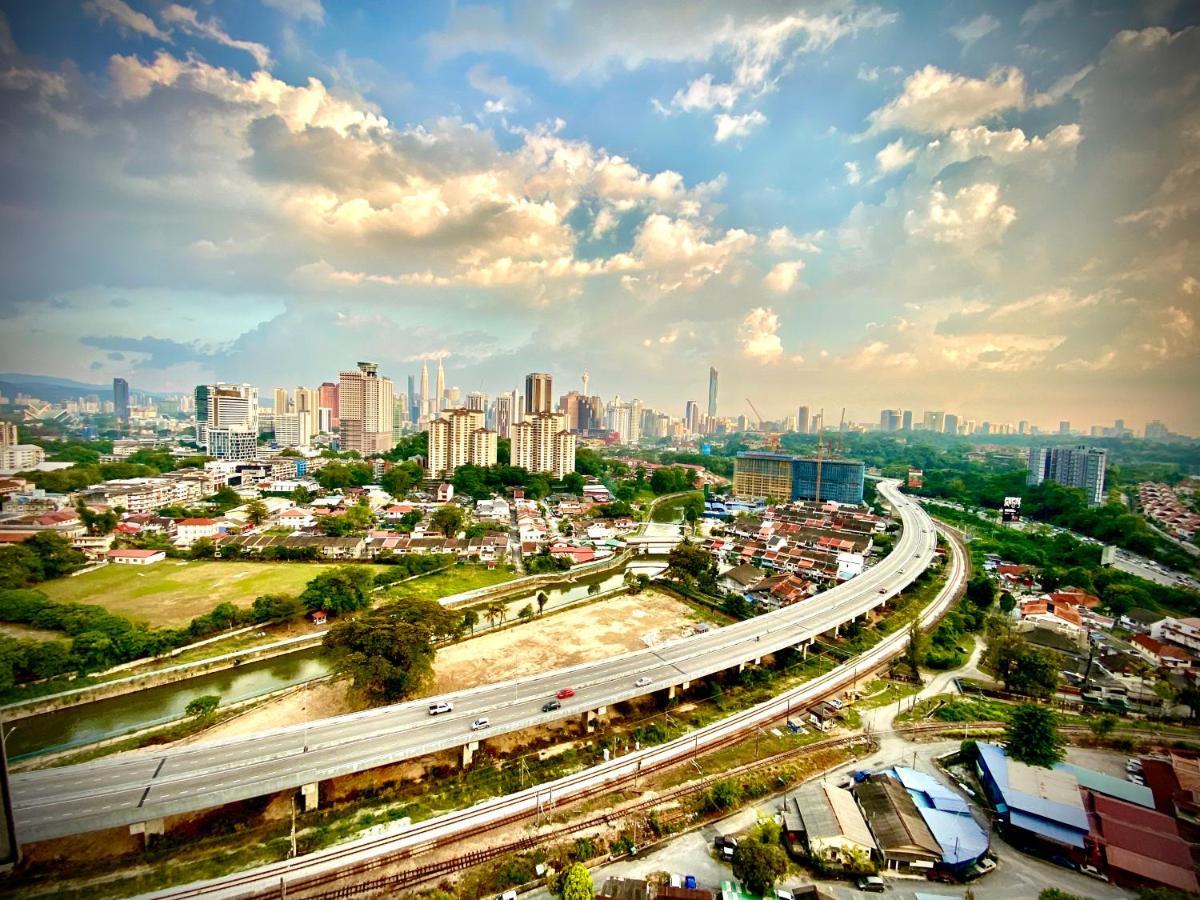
(140, 790)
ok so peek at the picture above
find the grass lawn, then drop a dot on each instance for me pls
(454, 580)
(671, 511)
(173, 592)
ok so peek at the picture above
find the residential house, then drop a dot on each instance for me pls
(130, 557)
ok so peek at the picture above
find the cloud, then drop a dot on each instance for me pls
(784, 276)
(300, 10)
(507, 95)
(126, 18)
(1044, 9)
(703, 94)
(736, 126)
(934, 101)
(853, 175)
(968, 33)
(681, 253)
(1011, 147)
(783, 240)
(972, 218)
(759, 336)
(895, 156)
(187, 19)
(157, 353)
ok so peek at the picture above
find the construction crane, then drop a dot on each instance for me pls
(820, 453)
(757, 414)
(771, 436)
(841, 431)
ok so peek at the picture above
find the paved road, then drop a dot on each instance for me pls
(109, 793)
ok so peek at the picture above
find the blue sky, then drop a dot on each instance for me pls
(984, 208)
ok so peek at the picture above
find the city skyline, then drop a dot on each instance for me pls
(985, 209)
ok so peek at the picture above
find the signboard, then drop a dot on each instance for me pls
(916, 478)
(706, 449)
(1011, 510)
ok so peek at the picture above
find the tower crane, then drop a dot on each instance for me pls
(771, 436)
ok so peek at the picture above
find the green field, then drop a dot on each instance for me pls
(173, 592)
(454, 580)
(671, 511)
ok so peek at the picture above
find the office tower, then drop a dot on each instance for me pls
(414, 400)
(504, 415)
(327, 397)
(399, 417)
(291, 429)
(1064, 427)
(365, 410)
(951, 423)
(228, 426)
(477, 400)
(934, 421)
(1079, 467)
(906, 420)
(574, 406)
(280, 400)
(325, 420)
(459, 437)
(537, 393)
(306, 402)
(585, 384)
(802, 422)
(691, 417)
(424, 396)
(622, 421)
(121, 399)
(542, 443)
(439, 389)
(1023, 426)
(889, 420)
(200, 399)
(782, 477)
(712, 392)
(1157, 431)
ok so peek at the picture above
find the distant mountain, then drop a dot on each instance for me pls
(56, 390)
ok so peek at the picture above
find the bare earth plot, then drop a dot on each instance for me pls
(173, 592)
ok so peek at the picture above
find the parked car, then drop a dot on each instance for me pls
(481, 723)
(641, 682)
(835, 703)
(1134, 765)
(725, 846)
(551, 705)
(1137, 779)
(872, 884)
(441, 706)
(1089, 869)
(781, 894)
(565, 693)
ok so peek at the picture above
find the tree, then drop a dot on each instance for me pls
(1024, 668)
(1057, 894)
(691, 562)
(58, 557)
(275, 608)
(388, 653)
(575, 883)
(495, 612)
(526, 612)
(447, 519)
(202, 548)
(759, 865)
(915, 651)
(339, 591)
(1032, 737)
(542, 600)
(301, 495)
(1007, 602)
(981, 591)
(203, 707)
(593, 588)
(256, 512)
(1103, 726)
(400, 478)
(470, 620)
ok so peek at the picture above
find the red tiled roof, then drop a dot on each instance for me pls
(196, 522)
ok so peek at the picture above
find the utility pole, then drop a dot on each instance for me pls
(10, 847)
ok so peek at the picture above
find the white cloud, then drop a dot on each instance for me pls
(853, 175)
(1043, 10)
(703, 94)
(759, 335)
(972, 218)
(895, 156)
(1009, 147)
(684, 253)
(507, 95)
(126, 18)
(736, 126)
(784, 276)
(783, 240)
(968, 33)
(301, 10)
(187, 19)
(934, 100)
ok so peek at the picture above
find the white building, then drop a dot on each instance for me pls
(291, 430)
(542, 443)
(625, 419)
(21, 457)
(136, 557)
(188, 531)
(460, 438)
(365, 410)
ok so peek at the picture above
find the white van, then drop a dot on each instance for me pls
(441, 706)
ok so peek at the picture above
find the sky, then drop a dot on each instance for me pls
(984, 208)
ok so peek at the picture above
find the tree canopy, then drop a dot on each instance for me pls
(1032, 736)
(339, 591)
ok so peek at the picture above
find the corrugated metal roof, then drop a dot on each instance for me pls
(1063, 834)
(1112, 786)
(946, 814)
(1037, 795)
(894, 819)
(1152, 869)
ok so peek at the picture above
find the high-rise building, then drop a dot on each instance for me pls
(227, 422)
(504, 414)
(573, 405)
(1081, 467)
(586, 378)
(1064, 427)
(1157, 431)
(542, 443)
(691, 417)
(327, 398)
(414, 400)
(1023, 426)
(906, 420)
(280, 400)
(477, 400)
(121, 399)
(624, 420)
(889, 420)
(399, 417)
(439, 389)
(424, 401)
(291, 429)
(934, 421)
(783, 477)
(365, 410)
(306, 402)
(950, 423)
(8, 434)
(537, 393)
(802, 422)
(459, 438)
(712, 392)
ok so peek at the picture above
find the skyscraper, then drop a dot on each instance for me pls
(458, 438)
(327, 398)
(906, 420)
(280, 400)
(889, 419)
(439, 389)
(306, 403)
(121, 399)
(1080, 467)
(543, 444)
(365, 409)
(228, 428)
(950, 423)
(504, 414)
(424, 395)
(414, 400)
(1064, 427)
(802, 420)
(537, 393)
(477, 400)
(573, 405)
(712, 392)
(691, 417)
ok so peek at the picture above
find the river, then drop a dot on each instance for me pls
(101, 719)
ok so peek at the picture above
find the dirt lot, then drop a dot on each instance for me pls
(576, 635)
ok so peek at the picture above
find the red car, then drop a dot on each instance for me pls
(565, 693)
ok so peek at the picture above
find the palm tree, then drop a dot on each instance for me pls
(542, 600)
(495, 613)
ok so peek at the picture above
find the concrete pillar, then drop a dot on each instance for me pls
(589, 721)
(310, 794)
(741, 668)
(804, 649)
(685, 685)
(758, 660)
(151, 828)
(468, 753)
(671, 693)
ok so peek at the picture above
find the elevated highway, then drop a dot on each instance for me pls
(139, 791)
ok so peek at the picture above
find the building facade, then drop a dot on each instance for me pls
(365, 410)
(1080, 467)
(712, 392)
(121, 399)
(291, 430)
(783, 477)
(542, 443)
(458, 438)
(537, 393)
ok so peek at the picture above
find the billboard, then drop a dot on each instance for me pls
(1011, 510)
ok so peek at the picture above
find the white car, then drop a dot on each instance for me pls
(480, 723)
(441, 706)
(641, 682)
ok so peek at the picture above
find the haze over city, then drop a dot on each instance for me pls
(979, 207)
